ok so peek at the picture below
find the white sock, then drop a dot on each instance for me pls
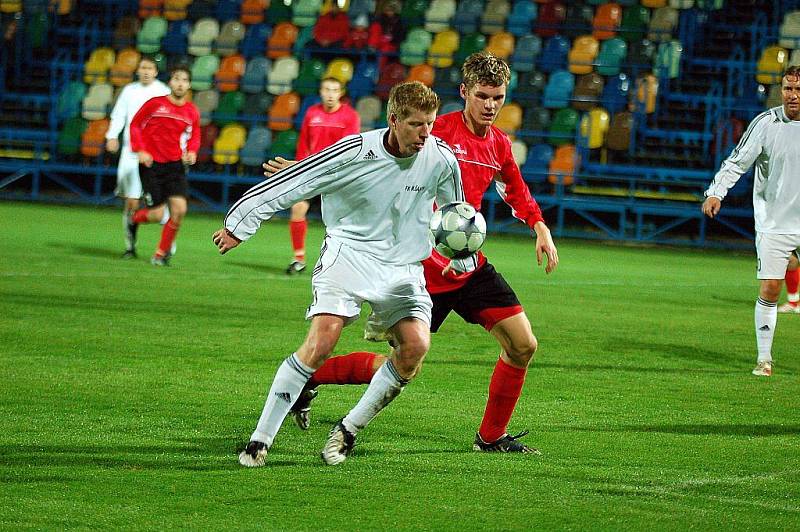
(385, 385)
(289, 380)
(793, 298)
(766, 317)
(165, 217)
(129, 244)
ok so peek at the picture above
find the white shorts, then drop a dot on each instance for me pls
(773, 254)
(129, 185)
(344, 279)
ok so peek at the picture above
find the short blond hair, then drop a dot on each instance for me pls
(485, 69)
(410, 96)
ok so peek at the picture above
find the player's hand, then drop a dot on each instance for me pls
(225, 241)
(545, 247)
(275, 165)
(112, 145)
(711, 206)
(145, 159)
(189, 157)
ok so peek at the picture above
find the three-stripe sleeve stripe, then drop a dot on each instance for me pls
(743, 141)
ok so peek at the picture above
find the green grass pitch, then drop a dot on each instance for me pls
(125, 391)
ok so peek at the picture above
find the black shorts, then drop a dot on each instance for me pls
(486, 298)
(162, 180)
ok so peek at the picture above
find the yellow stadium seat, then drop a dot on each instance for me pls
(501, 44)
(341, 69)
(509, 118)
(228, 143)
(771, 65)
(594, 126)
(96, 68)
(583, 54)
(444, 45)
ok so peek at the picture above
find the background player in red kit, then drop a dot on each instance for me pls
(323, 124)
(165, 133)
(472, 288)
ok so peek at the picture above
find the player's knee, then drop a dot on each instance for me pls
(410, 354)
(522, 351)
(770, 289)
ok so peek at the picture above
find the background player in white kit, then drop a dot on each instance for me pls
(770, 143)
(129, 101)
(378, 190)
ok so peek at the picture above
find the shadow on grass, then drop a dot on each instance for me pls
(261, 268)
(704, 429)
(88, 251)
(489, 363)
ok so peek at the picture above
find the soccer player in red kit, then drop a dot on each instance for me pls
(165, 134)
(323, 124)
(472, 288)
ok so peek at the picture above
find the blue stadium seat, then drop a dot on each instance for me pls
(226, 10)
(467, 17)
(559, 89)
(520, 20)
(616, 93)
(176, 39)
(525, 52)
(537, 164)
(365, 76)
(554, 54)
(255, 40)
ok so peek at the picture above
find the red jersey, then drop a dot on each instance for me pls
(165, 130)
(320, 129)
(482, 160)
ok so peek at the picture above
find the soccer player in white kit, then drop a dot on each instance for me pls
(378, 190)
(129, 101)
(771, 143)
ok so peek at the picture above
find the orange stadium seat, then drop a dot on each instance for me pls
(150, 8)
(583, 54)
(647, 92)
(282, 39)
(93, 139)
(282, 111)
(422, 73)
(563, 165)
(606, 21)
(501, 44)
(175, 9)
(230, 72)
(124, 67)
(253, 11)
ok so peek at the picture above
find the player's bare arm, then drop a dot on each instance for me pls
(545, 247)
(711, 206)
(112, 145)
(189, 157)
(145, 158)
(275, 165)
(224, 240)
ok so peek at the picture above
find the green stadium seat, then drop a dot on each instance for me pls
(474, 42)
(69, 138)
(148, 40)
(203, 71)
(284, 144)
(562, 128)
(305, 12)
(230, 105)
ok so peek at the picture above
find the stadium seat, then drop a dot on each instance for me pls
(176, 40)
(452, 107)
(391, 75)
(509, 119)
(662, 24)
(771, 64)
(537, 163)
(681, 4)
(225, 10)
(360, 8)
(230, 72)
(501, 44)
(471, 43)
(635, 21)
(341, 69)
(70, 100)
(520, 20)
(283, 73)
(530, 86)
(582, 55)
(444, 45)
(96, 68)
(646, 93)
(494, 16)
(369, 110)
(577, 21)
(122, 70)
(203, 70)
(668, 59)
(284, 144)
(422, 73)
(255, 39)
(282, 39)
(125, 32)
(619, 133)
(588, 91)
(551, 17)
(253, 11)
(93, 139)
(467, 16)
(69, 138)
(593, 128)
(641, 54)
(10, 6)
(231, 34)
(230, 140)
(607, 20)
(229, 108)
(305, 12)
(176, 9)
(558, 90)
(202, 36)
(208, 136)
(654, 4)
(307, 81)
(789, 31)
(200, 9)
(554, 54)
(305, 36)
(526, 51)
(564, 165)
(612, 55)
(148, 40)
(563, 127)
(365, 76)
(616, 93)
(284, 108)
(206, 102)
(97, 101)
(519, 150)
(279, 12)
(254, 151)
(438, 15)
(412, 12)
(414, 49)
(150, 8)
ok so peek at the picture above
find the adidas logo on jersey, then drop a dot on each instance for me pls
(370, 156)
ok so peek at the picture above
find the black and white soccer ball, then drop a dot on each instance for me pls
(457, 230)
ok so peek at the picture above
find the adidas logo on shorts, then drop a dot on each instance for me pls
(370, 156)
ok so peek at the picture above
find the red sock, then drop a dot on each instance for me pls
(504, 391)
(140, 216)
(354, 368)
(298, 231)
(167, 237)
(792, 281)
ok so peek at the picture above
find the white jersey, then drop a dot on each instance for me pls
(770, 143)
(371, 201)
(129, 101)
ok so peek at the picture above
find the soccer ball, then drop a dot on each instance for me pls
(457, 230)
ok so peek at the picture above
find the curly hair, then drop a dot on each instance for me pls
(792, 72)
(485, 69)
(405, 98)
